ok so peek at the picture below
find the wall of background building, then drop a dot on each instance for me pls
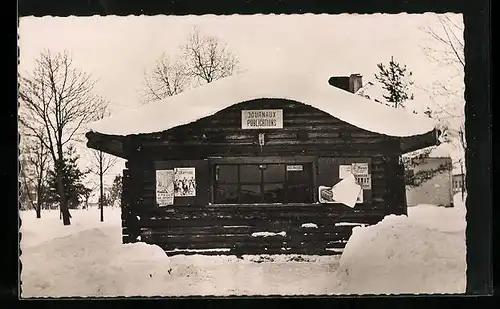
(435, 191)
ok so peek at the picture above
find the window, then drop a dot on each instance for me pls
(263, 183)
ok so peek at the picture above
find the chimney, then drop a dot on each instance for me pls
(355, 82)
(350, 83)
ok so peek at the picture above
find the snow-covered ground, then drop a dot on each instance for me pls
(421, 253)
(424, 252)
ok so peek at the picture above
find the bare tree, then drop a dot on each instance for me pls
(207, 59)
(167, 78)
(203, 59)
(449, 52)
(55, 101)
(101, 164)
(34, 167)
(449, 33)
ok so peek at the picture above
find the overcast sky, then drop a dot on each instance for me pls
(117, 50)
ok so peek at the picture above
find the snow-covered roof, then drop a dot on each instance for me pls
(306, 86)
(443, 150)
(372, 92)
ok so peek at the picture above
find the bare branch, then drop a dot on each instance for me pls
(166, 79)
(203, 59)
(449, 41)
(207, 59)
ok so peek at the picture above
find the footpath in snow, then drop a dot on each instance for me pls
(422, 253)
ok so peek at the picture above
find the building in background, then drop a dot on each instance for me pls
(434, 186)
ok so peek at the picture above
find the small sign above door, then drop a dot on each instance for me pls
(262, 119)
(294, 168)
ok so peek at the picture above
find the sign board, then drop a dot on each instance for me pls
(184, 181)
(165, 187)
(294, 168)
(262, 119)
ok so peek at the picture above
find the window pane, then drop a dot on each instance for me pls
(226, 194)
(299, 193)
(250, 194)
(274, 193)
(274, 173)
(226, 173)
(250, 173)
(299, 176)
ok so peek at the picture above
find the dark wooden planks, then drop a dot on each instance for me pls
(307, 132)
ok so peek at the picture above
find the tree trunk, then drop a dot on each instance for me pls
(62, 196)
(38, 209)
(101, 187)
(39, 200)
(463, 179)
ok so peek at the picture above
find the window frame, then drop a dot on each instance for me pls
(214, 161)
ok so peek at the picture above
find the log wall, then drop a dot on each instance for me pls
(196, 224)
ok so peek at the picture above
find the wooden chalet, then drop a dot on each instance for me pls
(234, 166)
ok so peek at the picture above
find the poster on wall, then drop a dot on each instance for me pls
(365, 182)
(360, 173)
(164, 187)
(184, 181)
(359, 169)
(344, 171)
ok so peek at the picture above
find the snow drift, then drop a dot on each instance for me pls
(87, 259)
(423, 252)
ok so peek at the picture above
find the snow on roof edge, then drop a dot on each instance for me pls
(306, 88)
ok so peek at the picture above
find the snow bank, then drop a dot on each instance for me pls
(36, 231)
(307, 85)
(349, 224)
(421, 253)
(90, 261)
(267, 234)
(309, 225)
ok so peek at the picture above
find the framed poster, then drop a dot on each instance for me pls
(184, 181)
(164, 187)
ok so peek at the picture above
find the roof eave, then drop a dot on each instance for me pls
(412, 143)
(109, 144)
